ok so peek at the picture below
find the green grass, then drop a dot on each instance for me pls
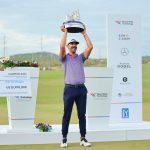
(50, 105)
(146, 82)
(130, 145)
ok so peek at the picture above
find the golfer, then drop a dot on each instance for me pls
(74, 89)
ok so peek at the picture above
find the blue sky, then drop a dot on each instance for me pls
(25, 21)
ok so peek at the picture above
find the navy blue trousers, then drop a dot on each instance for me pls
(79, 96)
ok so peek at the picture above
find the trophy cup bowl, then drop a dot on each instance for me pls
(73, 23)
(74, 26)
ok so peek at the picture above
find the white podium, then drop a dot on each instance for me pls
(21, 110)
(99, 85)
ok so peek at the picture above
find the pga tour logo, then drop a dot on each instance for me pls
(125, 112)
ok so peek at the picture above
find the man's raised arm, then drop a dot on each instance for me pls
(89, 44)
(62, 52)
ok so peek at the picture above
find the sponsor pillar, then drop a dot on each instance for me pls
(124, 55)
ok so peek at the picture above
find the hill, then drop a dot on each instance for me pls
(48, 59)
(43, 58)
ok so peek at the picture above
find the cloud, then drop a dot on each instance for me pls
(18, 42)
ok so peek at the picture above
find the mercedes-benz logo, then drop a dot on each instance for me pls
(124, 51)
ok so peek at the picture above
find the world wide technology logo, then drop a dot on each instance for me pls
(23, 98)
(124, 22)
(97, 95)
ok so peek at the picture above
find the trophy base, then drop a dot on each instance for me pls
(74, 26)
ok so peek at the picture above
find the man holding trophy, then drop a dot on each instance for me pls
(73, 67)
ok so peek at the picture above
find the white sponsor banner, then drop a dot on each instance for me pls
(99, 85)
(124, 55)
(15, 83)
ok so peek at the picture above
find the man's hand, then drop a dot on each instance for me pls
(63, 29)
(84, 31)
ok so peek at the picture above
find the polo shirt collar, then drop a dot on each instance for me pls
(71, 55)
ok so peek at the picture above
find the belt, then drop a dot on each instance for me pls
(75, 85)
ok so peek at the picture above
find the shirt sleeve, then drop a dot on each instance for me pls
(82, 57)
(62, 59)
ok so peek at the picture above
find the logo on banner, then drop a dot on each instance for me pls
(125, 112)
(124, 66)
(123, 36)
(128, 94)
(99, 95)
(124, 81)
(24, 98)
(124, 51)
(124, 22)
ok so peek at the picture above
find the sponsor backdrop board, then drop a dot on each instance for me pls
(124, 55)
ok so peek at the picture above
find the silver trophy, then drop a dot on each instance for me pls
(73, 23)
